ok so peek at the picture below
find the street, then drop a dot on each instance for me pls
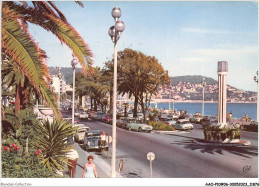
(180, 154)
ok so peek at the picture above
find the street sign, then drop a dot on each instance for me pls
(150, 156)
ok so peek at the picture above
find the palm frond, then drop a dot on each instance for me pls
(80, 3)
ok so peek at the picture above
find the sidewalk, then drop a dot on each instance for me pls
(83, 160)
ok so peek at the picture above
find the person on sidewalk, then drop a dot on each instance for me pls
(90, 170)
(72, 161)
(103, 139)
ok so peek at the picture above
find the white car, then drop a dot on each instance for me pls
(183, 124)
(76, 113)
(79, 136)
(83, 115)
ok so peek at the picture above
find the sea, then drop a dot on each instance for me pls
(238, 109)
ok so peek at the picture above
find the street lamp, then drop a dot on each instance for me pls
(203, 83)
(74, 62)
(256, 80)
(114, 32)
(59, 92)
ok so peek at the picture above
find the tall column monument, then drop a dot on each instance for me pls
(222, 92)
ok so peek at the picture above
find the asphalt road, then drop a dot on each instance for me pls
(179, 155)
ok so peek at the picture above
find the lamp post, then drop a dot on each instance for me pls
(59, 92)
(256, 80)
(74, 62)
(203, 83)
(114, 32)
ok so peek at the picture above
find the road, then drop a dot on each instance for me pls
(181, 154)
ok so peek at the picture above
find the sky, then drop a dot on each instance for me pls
(188, 38)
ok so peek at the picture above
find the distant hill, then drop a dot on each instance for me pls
(67, 72)
(193, 79)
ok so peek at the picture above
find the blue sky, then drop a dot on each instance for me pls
(188, 38)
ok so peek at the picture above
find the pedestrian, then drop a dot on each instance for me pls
(103, 138)
(72, 161)
(90, 170)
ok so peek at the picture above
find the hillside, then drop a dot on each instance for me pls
(67, 72)
(192, 79)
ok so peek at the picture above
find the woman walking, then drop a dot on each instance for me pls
(90, 170)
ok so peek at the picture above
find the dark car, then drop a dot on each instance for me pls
(92, 140)
(253, 126)
(207, 120)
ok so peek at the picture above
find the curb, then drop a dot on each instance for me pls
(168, 132)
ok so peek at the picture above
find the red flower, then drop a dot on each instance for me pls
(10, 150)
(37, 152)
(13, 145)
(6, 148)
(16, 147)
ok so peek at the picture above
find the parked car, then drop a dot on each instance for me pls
(108, 118)
(253, 126)
(138, 126)
(83, 115)
(196, 119)
(79, 136)
(99, 115)
(76, 113)
(166, 117)
(122, 122)
(170, 123)
(92, 140)
(207, 120)
(183, 124)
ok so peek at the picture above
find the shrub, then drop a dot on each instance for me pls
(16, 164)
(54, 143)
(160, 126)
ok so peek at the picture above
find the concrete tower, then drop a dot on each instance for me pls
(222, 92)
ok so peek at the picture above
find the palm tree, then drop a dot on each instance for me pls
(54, 143)
(20, 47)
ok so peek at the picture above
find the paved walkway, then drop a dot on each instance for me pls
(83, 160)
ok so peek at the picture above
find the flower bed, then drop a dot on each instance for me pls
(214, 133)
(160, 126)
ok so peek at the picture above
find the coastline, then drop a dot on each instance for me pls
(192, 101)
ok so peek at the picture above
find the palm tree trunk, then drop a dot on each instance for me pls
(17, 99)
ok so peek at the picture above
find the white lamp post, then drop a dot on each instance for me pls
(59, 92)
(256, 80)
(114, 32)
(203, 90)
(74, 62)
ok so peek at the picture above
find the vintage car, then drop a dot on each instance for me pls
(182, 124)
(207, 120)
(76, 113)
(83, 115)
(138, 126)
(196, 119)
(253, 126)
(79, 136)
(92, 140)
(122, 122)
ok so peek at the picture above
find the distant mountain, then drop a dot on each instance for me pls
(67, 72)
(192, 79)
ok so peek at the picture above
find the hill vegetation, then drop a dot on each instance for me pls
(193, 79)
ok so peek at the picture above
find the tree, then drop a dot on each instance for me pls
(95, 86)
(141, 76)
(18, 44)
